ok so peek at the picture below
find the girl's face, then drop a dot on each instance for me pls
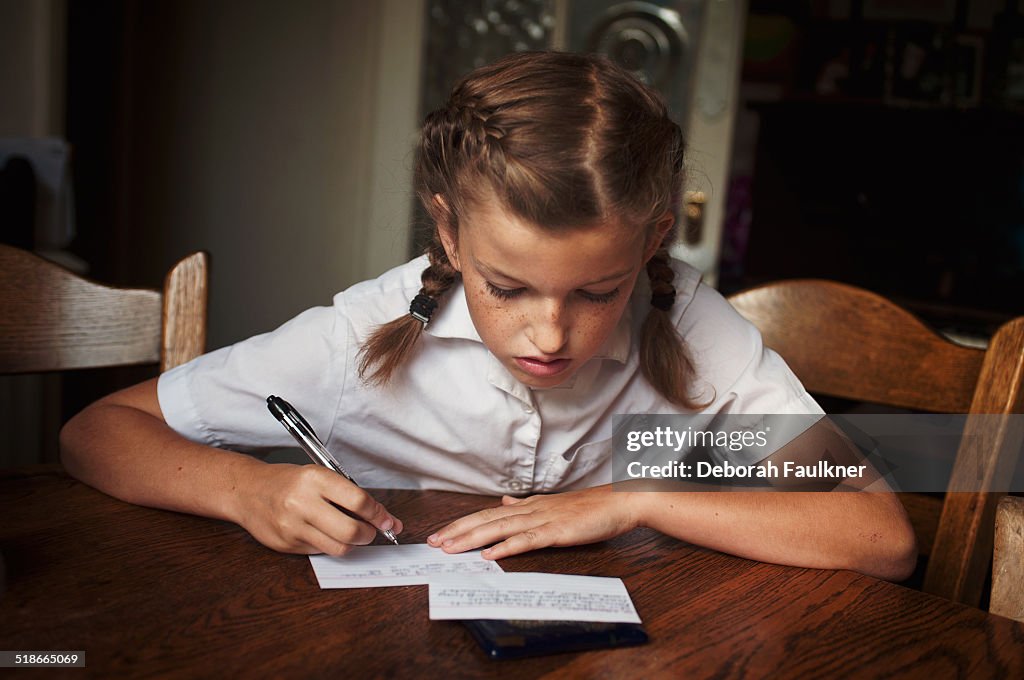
(544, 301)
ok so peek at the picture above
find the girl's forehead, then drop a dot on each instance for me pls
(490, 220)
(506, 244)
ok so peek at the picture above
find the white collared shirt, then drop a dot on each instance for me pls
(454, 418)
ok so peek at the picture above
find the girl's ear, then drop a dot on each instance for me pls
(661, 229)
(447, 232)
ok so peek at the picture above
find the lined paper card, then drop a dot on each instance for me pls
(410, 564)
(533, 596)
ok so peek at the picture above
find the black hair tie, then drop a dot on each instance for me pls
(422, 307)
(663, 301)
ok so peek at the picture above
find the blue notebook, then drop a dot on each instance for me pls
(513, 639)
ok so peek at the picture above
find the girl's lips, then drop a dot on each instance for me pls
(542, 369)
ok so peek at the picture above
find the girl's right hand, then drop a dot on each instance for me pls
(288, 508)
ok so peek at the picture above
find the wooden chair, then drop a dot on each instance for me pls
(1008, 560)
(846, 342)
(53, 320)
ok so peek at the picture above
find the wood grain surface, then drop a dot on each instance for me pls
(186, 292)
(844, 341)
(52, 319)
(149, 593)
(1008, 559)
(816, 325)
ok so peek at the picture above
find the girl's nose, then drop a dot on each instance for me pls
(549, 330)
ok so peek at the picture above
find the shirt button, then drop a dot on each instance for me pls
(515, 485)
(527, 409)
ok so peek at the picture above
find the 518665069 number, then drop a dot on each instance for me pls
(42, 659)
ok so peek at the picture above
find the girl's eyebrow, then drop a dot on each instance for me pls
(491, 272)
(613, 277)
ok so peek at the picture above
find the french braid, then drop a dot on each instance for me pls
(456, 139)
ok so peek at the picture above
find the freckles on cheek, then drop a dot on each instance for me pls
(490, 313)
(483, 301)
(594, 326)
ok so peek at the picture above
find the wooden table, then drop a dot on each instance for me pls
(148, 592)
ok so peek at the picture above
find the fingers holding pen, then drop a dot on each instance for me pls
(338, 489)
(361, 504)
(295, 509)
(312, 541)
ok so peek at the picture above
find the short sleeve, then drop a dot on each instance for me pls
(219, 399)
(738, 375)
(735, 371)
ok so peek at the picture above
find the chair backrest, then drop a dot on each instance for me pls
(1008, 560)
(52, 319)
(847, 342)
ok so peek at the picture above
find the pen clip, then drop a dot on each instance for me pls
(303, 422)
(282, 409)
(304, 434)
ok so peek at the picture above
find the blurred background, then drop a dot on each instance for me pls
(879, 142)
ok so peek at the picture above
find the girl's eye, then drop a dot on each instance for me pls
(602, 298)
(503, 293)
(509, 293)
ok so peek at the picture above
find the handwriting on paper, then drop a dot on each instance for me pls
(375, 566)
(543, 597)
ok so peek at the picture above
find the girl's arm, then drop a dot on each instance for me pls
(863, 531)
(122, 446)
(867, 531)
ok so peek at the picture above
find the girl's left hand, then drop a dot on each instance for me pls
(522, 524)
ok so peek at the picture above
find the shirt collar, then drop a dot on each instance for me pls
(617, 345)
(451, 319)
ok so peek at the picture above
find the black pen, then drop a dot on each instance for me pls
(310, 443)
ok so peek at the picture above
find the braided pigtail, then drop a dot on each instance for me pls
(664, 358)
(459, 144)
(391, 344)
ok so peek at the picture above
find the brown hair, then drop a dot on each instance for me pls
(562, 140)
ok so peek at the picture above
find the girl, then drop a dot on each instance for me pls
(546, 303)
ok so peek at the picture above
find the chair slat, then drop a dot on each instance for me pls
(875, 338)
(984, 463)
(53, 320)
(1008, 560)
(184, 311)
(847, 342)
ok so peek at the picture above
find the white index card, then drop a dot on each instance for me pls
(532, 596)
(374, 566)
